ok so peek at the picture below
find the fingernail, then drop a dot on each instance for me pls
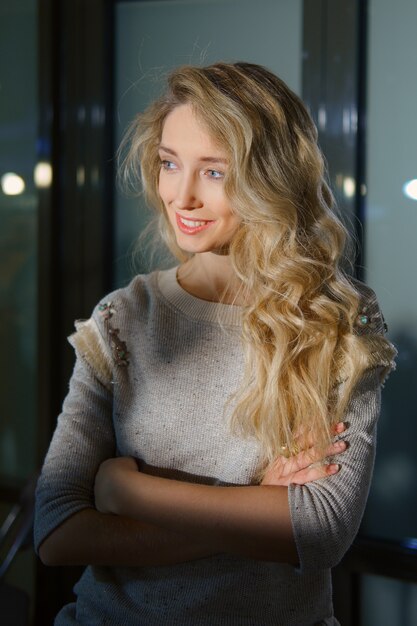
(334, 468)
(340, 427)
(340, 445)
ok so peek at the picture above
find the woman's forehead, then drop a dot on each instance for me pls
(184, 129)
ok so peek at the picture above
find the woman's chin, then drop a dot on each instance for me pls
(201, 247)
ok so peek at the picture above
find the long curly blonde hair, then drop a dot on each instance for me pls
(298, 330)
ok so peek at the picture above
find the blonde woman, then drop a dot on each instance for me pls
(214, 454)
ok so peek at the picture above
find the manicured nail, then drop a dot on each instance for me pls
(334, 468)
(340, 427)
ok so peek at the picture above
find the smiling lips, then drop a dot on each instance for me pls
(192, 227)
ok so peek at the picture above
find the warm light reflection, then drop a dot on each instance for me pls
(349, 187)
(80, 176)
(12, 184)
(410, 189)
(42, 174)
(322, 118)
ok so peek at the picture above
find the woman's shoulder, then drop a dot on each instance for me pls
(370, 318)
(103, 339)
(136, 295)
(134, 301)
(370, 329)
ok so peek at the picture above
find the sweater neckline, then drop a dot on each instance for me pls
(193, 307)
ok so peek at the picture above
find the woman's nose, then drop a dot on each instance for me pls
(187, 196)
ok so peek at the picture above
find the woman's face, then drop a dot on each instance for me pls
(191, 184)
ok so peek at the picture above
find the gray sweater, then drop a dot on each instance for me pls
(155, 368)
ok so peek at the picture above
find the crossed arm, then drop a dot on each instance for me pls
(147, 520)
(134, 519)
(251, 521)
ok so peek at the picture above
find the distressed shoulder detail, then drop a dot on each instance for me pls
(370, 330)
(381, 353)
(368, 342)
(119, 349)
(369, 318)
(90, 345)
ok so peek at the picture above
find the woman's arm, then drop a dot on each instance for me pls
(326, 515)
(92, 538)
(251, 521)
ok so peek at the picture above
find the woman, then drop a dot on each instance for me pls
(195, 466)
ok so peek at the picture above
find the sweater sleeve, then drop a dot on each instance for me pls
(84, 438)
(326, 514)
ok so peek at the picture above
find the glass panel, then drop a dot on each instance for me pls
(18, 259)
(387, 602)
(391, 256)
(152, 37)
(18, 234)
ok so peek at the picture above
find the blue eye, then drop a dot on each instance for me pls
(215, 174)
(168, 165)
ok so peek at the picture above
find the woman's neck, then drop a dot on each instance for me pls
(210, 276)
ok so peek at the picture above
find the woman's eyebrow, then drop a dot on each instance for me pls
(204, 159)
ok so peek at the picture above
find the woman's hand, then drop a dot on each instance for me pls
(306, 466)
(110, 477)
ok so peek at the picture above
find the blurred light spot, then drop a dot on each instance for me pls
(42, 174)
(410, 189)
(354, 120)
(346, 121)
(410, 542)
(80, 176)
(322, 118)
(97, 115)
(349, 187)
(12, 184)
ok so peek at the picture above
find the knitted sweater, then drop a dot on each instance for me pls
(155, 368)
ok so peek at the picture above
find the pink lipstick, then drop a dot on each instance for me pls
(192, 226)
